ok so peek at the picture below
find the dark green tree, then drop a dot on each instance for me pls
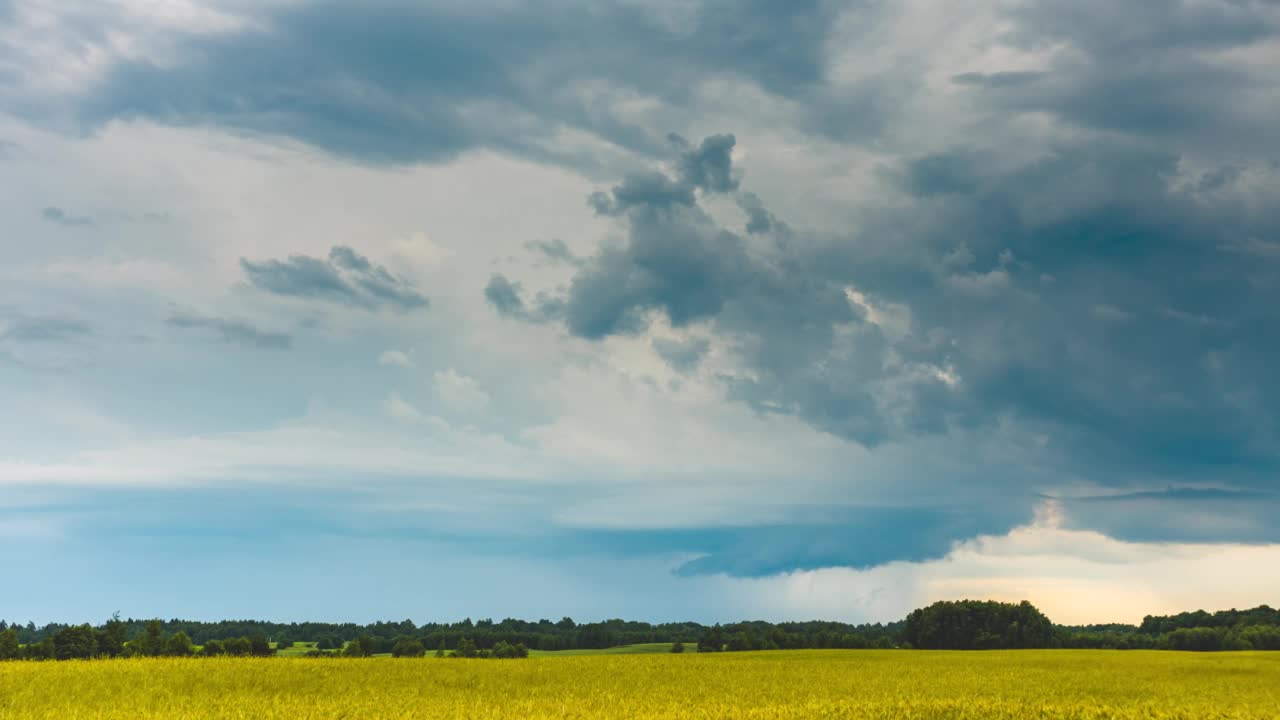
(9, 648)
(43, 650)
(113, 636)
(677, 647)
(152, 642)
(712, 640)
(238, 647)
(78, 642)
(259, 646)
(466, 649)
(179, 645)
(360, 647)
(978, 625)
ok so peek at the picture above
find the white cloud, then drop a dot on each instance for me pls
(1074, 576)
(460, 392)
(395, 358)
(401, 410)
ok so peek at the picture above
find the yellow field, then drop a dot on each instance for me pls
(800, 684)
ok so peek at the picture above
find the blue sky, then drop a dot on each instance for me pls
(695, 310)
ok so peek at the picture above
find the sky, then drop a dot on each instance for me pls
(648, 309)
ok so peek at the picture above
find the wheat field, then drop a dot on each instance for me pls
(796, 684)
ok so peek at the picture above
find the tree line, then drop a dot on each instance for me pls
(962, 625)
(113, 639)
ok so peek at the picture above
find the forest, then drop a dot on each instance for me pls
(958, 625)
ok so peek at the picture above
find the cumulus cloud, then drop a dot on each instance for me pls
(345, 277)
(710, 165)
(976, 311)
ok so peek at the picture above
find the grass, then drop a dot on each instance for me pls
(873, 684)
(298, 648)
(640, 649)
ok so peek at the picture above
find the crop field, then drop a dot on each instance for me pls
(790, 684)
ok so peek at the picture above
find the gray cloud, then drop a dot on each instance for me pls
(44, 342)
(554, 250)
(399, 82)
(682, 355)
(345, 277)
(62, 217)
(985, 339)
(507, 298)
(710, 165)
(759, 219)
(649, 190)
(1180, 514)
(1126, 68)
(236, 332)
(42, 329)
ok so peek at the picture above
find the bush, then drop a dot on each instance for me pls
(506, 650)
(677, 647)
(179, 645)
(408, 648)
(360, 647)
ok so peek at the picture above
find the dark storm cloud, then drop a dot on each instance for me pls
(1052, 292)
(817, 538)
(1180, 515)
(401, 82)
(759, 219)
(236, 332)
(345, 277)
(710, 165)
(651, 190)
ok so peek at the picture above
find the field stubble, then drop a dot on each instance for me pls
(797, 684)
